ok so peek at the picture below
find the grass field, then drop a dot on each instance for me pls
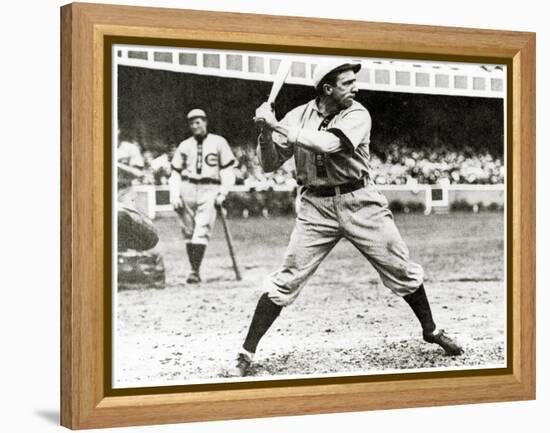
(344, 321)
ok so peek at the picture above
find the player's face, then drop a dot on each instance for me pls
(345, 89)
(198, 126)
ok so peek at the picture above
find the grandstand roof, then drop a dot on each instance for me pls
(409, 76)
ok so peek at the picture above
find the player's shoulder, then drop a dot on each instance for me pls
(357, 107)
(356, 111)
(128, 148)
(218, 141)
(298, 112)
(189, 141)
(216, 138)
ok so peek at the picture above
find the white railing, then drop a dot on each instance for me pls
(435, 197)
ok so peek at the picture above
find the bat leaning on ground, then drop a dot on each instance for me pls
(229, 240)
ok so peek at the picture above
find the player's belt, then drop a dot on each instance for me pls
(331, 191)
(201, 181)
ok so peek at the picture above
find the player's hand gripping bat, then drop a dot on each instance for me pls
(278, 81)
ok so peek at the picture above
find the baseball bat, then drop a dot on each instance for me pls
(229, 240)
(279, 80)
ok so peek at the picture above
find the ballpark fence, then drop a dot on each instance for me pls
(154, 200)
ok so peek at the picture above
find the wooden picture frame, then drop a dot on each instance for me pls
(87, 401)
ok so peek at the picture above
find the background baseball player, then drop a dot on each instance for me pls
(202, 172)
(136, 233)
(135, 230)
(329, 139)
(130, 165)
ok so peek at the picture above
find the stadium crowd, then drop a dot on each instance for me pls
(404, 165)
(399, 165)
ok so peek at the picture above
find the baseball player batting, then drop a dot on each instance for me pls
(201, 176)
(329, 139)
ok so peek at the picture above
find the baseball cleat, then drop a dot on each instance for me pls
(242, 366)
(194, 277)
(451, 347)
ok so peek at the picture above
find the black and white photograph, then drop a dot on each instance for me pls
(288, 216)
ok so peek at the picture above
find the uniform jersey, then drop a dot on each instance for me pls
(352, 125)
(204, 159)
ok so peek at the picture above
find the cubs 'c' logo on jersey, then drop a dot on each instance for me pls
(211, 159)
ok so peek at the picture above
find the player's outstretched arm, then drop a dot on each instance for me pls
(316, 141)
(348, 135)
(134, 171)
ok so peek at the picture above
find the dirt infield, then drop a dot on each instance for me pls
(344, 321)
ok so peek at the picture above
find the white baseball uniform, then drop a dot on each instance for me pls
(327, 212)
(200, 164)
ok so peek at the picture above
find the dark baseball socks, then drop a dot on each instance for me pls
(267, 311)
(195, 252)
(420, 305)
(265, 314)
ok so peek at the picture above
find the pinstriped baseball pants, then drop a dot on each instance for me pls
(362, 217)
(198, 214)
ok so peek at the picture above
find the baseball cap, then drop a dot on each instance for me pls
(196, 112)
(325, 68)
